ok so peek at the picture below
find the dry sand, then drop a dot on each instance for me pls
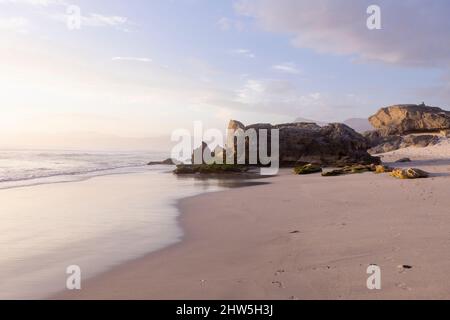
(301, 237)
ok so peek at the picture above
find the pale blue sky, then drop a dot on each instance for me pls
(143, 68)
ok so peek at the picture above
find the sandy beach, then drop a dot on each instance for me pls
(300, 237)
(224, 150)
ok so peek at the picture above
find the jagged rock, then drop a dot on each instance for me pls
(385, 144)
(308, 169)
(373, 138)
(350, 170)
(218, 154)
(403, 160)
(235, 125)
(421, 141)
(197, 154)
(410, 118)
(165, 162)
(411, 173)
(396, 126)
(304, 143)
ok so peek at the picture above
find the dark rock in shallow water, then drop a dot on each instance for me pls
(165, 162)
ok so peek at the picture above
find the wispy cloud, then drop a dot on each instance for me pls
(288, 67)
(131, 59)
(243, 52)
(96, 20)
(87, 20)
(339, 27)
(99, 20)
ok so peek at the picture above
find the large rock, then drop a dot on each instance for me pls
(235, 125)
(411, 173)
(169, 161)
(197, 154)
(410, 118)
(333, 145)
(218, 154)
(382, 144)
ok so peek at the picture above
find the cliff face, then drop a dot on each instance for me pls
(404, 119)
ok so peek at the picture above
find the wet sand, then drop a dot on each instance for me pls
(300, 237)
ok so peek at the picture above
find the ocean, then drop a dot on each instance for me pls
(31, 167)
(95, 210)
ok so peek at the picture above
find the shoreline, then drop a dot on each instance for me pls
(96, 223)
(185, 237)
(298, 238)
(76, 177)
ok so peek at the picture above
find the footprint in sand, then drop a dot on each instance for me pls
(402, 268)
(279, 272)
(278, 284)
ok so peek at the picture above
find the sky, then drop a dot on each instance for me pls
(143, 68)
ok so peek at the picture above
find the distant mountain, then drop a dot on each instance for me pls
(357, 124)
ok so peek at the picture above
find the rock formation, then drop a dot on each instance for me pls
(403, 126)
(380, 144)
(307, 169)
(165, 162)
(410, 118)
(411, 173)
(352, 169)
(303, 143)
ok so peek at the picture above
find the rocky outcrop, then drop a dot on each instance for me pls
(307, 169)
(383, 169)
(197, 154)
(235, 125)
(303, 143)
(379, 144)
(403, 126)
(165, 162)
(410, 118)
(353, 169)
(411, 173)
